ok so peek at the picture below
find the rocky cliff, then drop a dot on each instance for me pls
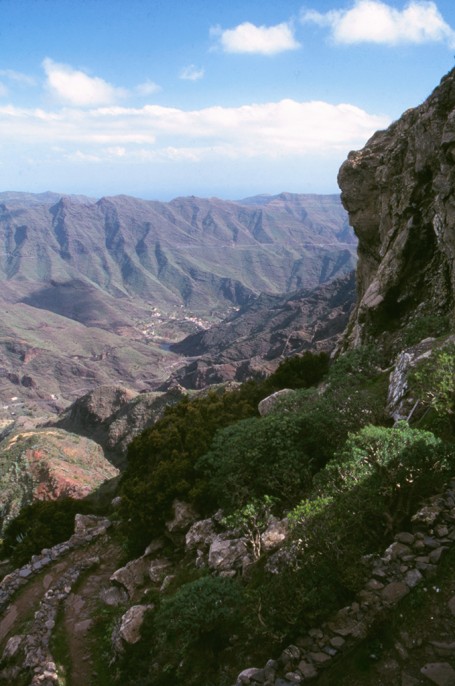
(399, 193)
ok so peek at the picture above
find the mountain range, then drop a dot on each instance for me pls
(95, 291)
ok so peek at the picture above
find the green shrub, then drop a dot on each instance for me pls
(300, 371)
(254, 458)
(386, 473)
(41, 525)
(355, 366)
(359, 501)
(161, 460)
(425, 326)
(432, 383)
(194, 626)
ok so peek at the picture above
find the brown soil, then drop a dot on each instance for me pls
(78, 613)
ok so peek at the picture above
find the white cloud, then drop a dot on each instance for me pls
(77, 88)
(271, 130)
(3, 90)
(191, 73)
(17, 77)
(148, 88)
(374, 21)
(262, 40)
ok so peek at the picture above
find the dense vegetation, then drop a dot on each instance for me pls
(327, 457)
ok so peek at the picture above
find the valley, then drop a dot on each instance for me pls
(96, 291)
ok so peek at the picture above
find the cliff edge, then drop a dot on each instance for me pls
(399, 191)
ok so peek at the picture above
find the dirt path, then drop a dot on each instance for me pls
(27, 600)
(79, 609)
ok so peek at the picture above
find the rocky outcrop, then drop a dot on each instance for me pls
(267, 405)
(399, 193)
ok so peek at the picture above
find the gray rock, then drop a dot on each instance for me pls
(308, 670)
(275, 533)
(268, 404)
(83, 522)
(158, 569)
(132, 576)
(439, 673)
(405, 537)
(183, 516)
(227, 554)
(394, 591)
(412, 578)
(251, 675)
(131, 623)
(200, 534)
(12, 647)
(114, 596)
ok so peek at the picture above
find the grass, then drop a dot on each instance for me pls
(60, 649)
(100, 641)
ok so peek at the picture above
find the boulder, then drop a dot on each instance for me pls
(114, 596)
(84, 522)
(184, 516)
(439, 673)
(268, 404)
(132, 576)
(275, 533)
(228, 554)
(158, 570)
(131, 623)
(200, 534)
(12, 647)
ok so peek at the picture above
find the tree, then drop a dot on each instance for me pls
(251, 521)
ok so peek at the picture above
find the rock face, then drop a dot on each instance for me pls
(399, 193)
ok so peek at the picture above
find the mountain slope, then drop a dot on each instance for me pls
(194, 252)
(92, 289)
(265, 331)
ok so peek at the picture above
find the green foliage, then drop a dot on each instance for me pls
(387, 472)
(433, 384)
(161, 460)
(355, 367)
(300, 371)
(254, 458)
(40, 525)
(359, 501)
(194, 626)
(425, 326)
(251, 521)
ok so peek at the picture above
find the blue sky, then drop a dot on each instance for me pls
(160, 98)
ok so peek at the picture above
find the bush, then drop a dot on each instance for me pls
(255, 458)
(161, 460)
(300, 371)
(432, 382)
(194, 626)
(41, 525)
(425, 326)
(386, 473)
